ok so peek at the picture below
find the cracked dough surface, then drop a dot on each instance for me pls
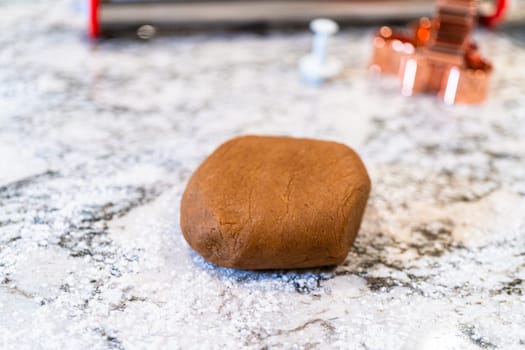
(275, 202)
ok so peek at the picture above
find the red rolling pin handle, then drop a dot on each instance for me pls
(93, 24)
(498, 15)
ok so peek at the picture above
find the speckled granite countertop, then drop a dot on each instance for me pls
(97, 143)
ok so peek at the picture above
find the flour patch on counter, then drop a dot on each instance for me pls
(501, 214)
(18, 163)
(42, 276)
(142, 174)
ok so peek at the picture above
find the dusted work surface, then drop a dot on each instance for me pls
(98, 141)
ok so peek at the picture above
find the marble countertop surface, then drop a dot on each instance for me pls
(97, 142)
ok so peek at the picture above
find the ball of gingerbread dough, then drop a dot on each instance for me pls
(275, 203)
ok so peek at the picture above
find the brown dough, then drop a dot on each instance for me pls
(275, 203)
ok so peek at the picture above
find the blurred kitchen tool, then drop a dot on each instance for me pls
(437, 56)
(115, 17)
(317, 67)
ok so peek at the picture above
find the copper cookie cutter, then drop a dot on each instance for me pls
(437, 56)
